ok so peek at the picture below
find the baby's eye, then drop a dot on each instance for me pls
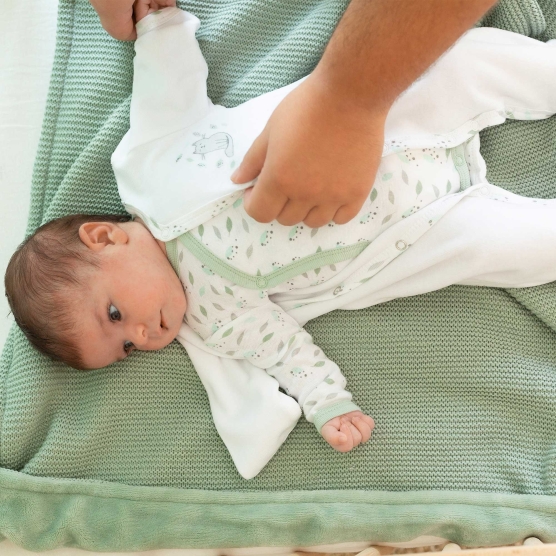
(128, 347)
(113, 313)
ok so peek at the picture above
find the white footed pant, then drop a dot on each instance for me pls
(509, 243)
(490, 237)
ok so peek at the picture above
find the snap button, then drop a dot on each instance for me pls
(337, 290)
(401, 245)
(459, 160)
(166, 233)
(484, 190)
(261, 282)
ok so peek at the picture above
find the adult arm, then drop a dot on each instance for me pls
(319, 153)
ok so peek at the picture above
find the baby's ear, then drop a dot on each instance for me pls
(98, 235)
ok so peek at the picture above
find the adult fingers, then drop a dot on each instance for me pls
(295, 211)
(319, 216)
(142, 8)
(265, 201)
(253, 161)
(117, 18)
(347, 212)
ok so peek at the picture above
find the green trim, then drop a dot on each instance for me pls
(217, 265)
(327, 413)
(172, 254)
(40, 513)
(458, 156)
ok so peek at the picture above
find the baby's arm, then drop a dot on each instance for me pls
(169, 76)
(272, 340)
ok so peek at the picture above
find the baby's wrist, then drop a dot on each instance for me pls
(322, 416)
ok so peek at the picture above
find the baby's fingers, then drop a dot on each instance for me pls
(352, 432)
(333, 436)
(365, 426)
(339, 439)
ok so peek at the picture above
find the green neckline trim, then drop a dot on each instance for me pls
(330, 256)
(172, 254)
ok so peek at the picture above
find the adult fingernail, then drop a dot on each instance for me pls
(234, 176)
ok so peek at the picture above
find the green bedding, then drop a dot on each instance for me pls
(461, 382)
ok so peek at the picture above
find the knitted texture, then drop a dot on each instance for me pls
(461, 382)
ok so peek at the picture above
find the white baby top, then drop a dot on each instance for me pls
(173, 168)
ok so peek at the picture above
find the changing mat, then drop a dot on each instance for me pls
(461, 382)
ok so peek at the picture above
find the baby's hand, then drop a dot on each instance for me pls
(347, 431)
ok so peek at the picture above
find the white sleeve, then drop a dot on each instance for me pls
(169, 79)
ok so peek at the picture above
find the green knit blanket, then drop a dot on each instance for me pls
(461, 382)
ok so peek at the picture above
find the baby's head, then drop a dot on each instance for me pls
(89, 290)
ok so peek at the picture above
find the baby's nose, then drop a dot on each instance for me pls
(141, 335)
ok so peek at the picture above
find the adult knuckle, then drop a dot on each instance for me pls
(259, 216)
(314, 222)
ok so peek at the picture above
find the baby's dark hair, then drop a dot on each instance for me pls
(45, 268)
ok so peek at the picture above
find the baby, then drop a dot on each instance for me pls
(90, 290)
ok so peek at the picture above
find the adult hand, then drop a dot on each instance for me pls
(118, 17)
(320, 150)
(316, 158)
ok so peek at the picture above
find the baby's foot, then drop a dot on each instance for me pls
(347, 431)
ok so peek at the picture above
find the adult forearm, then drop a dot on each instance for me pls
(381, 46)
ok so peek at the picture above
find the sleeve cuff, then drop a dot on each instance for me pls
(324, 415)
(154, 20)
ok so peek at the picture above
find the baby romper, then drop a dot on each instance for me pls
(250, 287)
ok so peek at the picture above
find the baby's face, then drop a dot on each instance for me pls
(135, 301)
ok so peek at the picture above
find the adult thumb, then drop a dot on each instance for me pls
(119, 26)
(116, 16)
(253, 161)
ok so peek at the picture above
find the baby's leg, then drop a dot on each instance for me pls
(479, 242)
(508, 245)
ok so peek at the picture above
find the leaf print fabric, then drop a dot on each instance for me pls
(245, 323)
(407, 181)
